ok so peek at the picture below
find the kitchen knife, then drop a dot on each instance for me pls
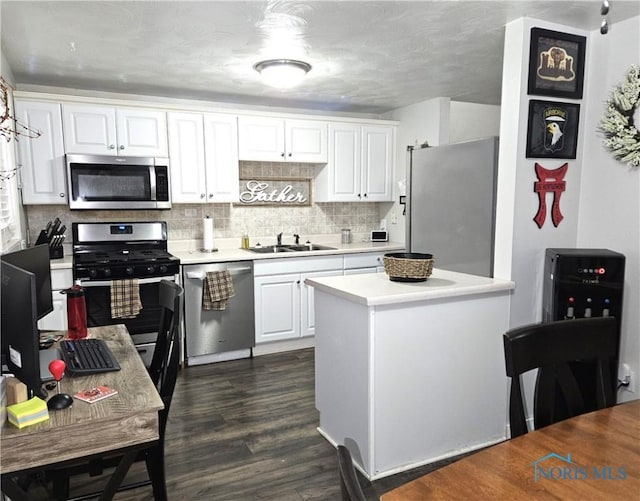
(56, 225)
(62, 229)
(54, 228)
(47, 230)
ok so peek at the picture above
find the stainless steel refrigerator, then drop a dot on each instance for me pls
(451, 194)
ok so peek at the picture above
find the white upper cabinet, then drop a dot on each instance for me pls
(186, 157)
(104, 130)
(42, 158)
(221, 157)
(282, 140)
(377, 163)
(360, 167)
(203, 153)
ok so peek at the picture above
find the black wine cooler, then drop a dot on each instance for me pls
(582, 283)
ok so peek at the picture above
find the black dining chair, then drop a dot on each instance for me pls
(163, 371)
(349, 485)
(574, 359)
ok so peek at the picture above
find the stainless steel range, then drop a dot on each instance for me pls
(104, 252)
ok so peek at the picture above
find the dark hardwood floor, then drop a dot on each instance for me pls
(246, 430)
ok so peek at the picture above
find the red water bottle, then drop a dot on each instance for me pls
(76, 312)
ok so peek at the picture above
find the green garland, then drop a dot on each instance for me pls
(623, 138)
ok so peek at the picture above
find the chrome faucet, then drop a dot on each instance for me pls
(279, 238)
(297, 237)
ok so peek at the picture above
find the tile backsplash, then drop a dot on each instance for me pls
(184, 221)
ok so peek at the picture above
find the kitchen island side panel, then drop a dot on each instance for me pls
(342, 359)
(439, 379)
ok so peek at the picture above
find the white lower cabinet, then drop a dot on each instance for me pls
(57, 319)
(366, 262)
(277, 304)
(283, 303)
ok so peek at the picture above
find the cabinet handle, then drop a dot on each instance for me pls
(61, 195)
(289, 154)
(210, 195)
(359, 195)
(112, 147)
(282, 154)
(122, 146)
(365, 195)
(202, 195)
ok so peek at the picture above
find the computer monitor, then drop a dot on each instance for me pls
(36, 260)
(20, 336)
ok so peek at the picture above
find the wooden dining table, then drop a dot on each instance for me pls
(592, 456)
(124, 422)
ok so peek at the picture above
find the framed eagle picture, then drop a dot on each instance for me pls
(552, 130)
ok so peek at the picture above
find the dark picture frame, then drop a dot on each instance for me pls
(552, 130)
(556, 64)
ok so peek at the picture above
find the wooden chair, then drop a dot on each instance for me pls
(164, 372)
(349, 485)
(561, 350)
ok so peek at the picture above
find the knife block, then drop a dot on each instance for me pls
(56, 252)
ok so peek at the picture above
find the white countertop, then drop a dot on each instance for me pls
(193, 255)
(228, 250)
(374, 289)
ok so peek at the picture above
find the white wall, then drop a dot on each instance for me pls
(520, 244)
(601, 204)
(5, 69)
(425, 121)
(472, 121)
(610, 190)
(436, 121)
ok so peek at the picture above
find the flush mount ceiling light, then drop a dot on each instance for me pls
(282, 73)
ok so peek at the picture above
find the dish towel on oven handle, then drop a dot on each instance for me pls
(217, 288)
(125, 298)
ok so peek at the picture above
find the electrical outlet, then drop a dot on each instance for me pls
(627, 374)
(632, 382)
(394, 217)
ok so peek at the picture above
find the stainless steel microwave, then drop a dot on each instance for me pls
(111, 182)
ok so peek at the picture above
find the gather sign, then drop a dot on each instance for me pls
(290, 192)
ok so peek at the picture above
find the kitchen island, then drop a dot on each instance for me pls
(410, 373)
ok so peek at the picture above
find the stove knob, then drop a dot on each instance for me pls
(93, 273)
(163, 268)
(129, 270)
(151, 269)
(107, 272)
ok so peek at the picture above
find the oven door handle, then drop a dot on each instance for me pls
(200, 275)
(105, 283)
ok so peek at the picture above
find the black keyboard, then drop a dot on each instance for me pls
(87, 356)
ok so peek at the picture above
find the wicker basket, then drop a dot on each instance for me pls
(408, 266)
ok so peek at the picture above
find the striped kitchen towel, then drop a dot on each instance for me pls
(125, 298)
(217, 287)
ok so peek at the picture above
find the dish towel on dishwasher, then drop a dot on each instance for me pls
(125, 298)
(217, 287)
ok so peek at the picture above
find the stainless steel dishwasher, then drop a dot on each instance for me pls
(211, 335)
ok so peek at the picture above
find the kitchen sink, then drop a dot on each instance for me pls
(270, 249)
(309, 247)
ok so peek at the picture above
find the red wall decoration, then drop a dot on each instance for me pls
(549, 181)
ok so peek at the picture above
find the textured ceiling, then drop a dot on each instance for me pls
(367, 57)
